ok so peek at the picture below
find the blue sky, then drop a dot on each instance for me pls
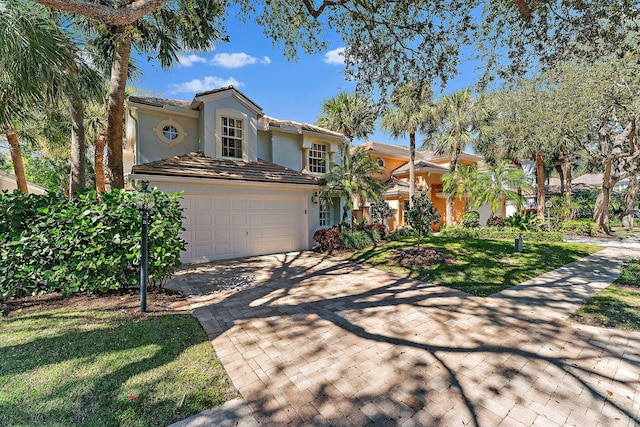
(288, 90)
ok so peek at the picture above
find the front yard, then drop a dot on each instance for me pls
(479, 267)
(103, 363)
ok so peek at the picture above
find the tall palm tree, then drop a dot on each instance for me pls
(460, 119)
(162, 31)
(410, 112)
(498, 183)
(463, 183)
(35, 55)
(353, 180)
(350, 114)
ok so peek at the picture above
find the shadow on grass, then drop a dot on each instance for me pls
(115, 374)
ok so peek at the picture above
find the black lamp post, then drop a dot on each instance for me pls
(144, 202)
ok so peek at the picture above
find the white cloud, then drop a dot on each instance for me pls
(335, 56)
(237, 60)
(190, 59)
(201, 85)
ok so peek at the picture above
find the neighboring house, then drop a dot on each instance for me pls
(429, 170)
(8, 182)
(251, 183)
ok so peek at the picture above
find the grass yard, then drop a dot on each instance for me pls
(106, 367)
(617, 306)
(481, 267)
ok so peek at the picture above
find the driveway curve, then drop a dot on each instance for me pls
(316, 340)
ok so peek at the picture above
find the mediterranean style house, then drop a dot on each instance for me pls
(429, 170)
(250, 183)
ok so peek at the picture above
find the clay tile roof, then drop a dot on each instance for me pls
(197, 165)
(389, 150)
(267, 121)
(161, 102)
(420, 164)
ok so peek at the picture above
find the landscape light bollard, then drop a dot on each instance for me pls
(144, 202)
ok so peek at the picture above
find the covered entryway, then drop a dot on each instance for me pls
(225, 226)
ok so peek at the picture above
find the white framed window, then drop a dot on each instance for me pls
(381, 162)
(232, 137)
(318, 158)
(170, 132)
(325, 213)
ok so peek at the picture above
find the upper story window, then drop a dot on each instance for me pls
(170, 132)
(380, 162)
(231, 137)
(318, 158)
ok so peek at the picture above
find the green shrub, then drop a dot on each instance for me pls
(630, 273)
(402, 232)
(588, 228)
(499, 233)
(470, 220)
(351, 240)
(49, 244)
(327, 238)
(496, 221)
(527, 221)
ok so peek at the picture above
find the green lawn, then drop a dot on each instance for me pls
(96, 368)
(482, 267)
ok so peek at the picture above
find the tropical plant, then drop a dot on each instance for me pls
(459, 121)
(349, 114)
(381, 211)
(353, 179)
(470, 220)
(501, 183)
(526, 221)
(409, 114)
(462, 183)
(422, 215)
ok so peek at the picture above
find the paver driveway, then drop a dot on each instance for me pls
(313, 340)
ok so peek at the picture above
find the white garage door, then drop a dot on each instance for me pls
(219, 227)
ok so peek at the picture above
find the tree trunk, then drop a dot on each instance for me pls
(568, 172)
(16, 159)
(455, 154)
(630, 203)
(540, 183)
(558, 167)
(77, 176)
(601, 209)
(99, 163)
(412, 165)
(119, 69)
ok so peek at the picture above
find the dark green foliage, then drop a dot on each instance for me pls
(527, 221)
(585, 202)
(49, 244)
(500, 233)
(497, 221)
(351, 240)
(402, 232)
(470, 220)
(381, 211)
(579, 227)
(327, 238)
(630, 273)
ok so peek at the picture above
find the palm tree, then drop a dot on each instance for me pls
(349, 114)
(353, 179)
(156, 28)
(35, 58)
(498, 183)
(462, 183)
(410, 113)
(460, 119)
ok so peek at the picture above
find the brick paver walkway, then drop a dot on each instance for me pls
(312, 340)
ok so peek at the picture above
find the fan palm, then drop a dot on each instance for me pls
(349, 114)
(409, 114)
(462, 183)
(498, 183)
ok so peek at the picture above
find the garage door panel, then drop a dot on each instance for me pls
(219, 227)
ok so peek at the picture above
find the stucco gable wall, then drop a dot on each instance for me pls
(264, 146)
(151, 147)
(229, 107)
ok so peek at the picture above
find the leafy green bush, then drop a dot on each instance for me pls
(470, 220)
(50, 244)
(527, 221)
(402, 232)
(500, 233)
(327, 238)
(588, 228)
(351, 240)
(497, 221)
(630, 273)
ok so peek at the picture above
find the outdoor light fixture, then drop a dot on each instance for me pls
(314, 198)
(144, 202)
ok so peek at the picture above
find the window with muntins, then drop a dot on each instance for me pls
(231, 137)
(318, 158)
(325, 213)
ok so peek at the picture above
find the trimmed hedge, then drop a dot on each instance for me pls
(589, 228)
(351, 240)
(50, 244)
(499, 233)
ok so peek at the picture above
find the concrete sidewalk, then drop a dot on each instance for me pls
(312, 340)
